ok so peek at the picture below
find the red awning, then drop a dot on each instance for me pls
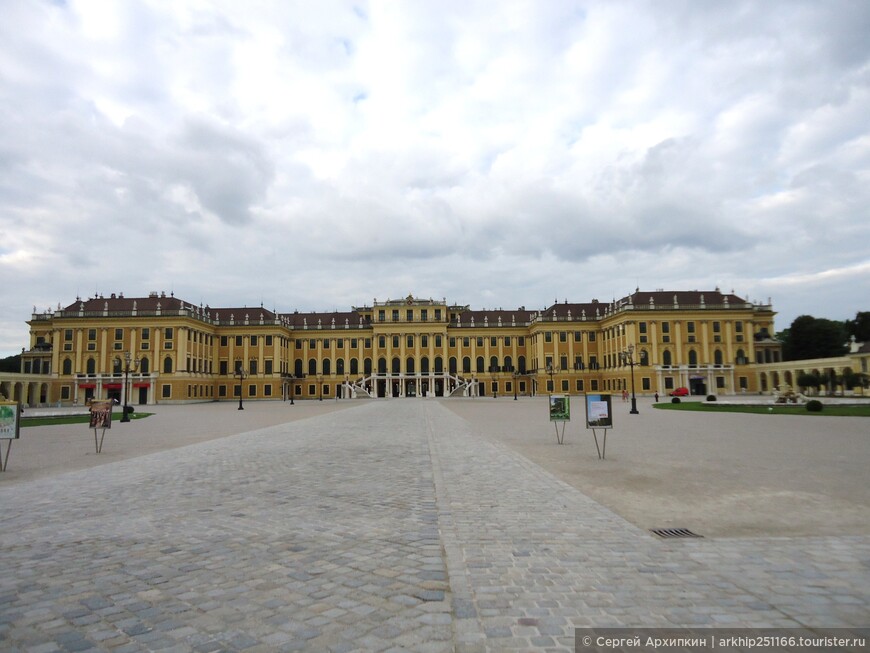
(87, 385)
(113, 386)
(141, 385)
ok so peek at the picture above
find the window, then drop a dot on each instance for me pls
(438, 341)
(521, 341)
(92, 334)
(381, 316)
(666, 358)
(223, 341)
(253, 341)
(578, 336)
(252, 390)
(268, 341)
(252, 366)
(354, 343)
(239, 341)
(438, 314)
(563, 336)
(166, 391)
(119, 334)
(223, 368)
(326, 343)
(268, 369)
(396, 342)
(410, 341)
(563, 362)
(424, 315)
(548, 336)
(167, 365)
(579, 385)
(493, 341)
(68, 335)
(466, 342)
(480, 341)
(424, 341)
(146, 333)
(564, 385)
(267, 391)
(382, 341)
(409, 315)
(594, 385)
(395, 315)
(592, 339)
(507, 341)
(642, 327)
(645, 383)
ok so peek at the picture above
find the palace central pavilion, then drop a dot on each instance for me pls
(163, 349)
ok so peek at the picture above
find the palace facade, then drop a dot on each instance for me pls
(709, 342)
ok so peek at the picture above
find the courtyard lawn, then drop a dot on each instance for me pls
(830, 410)
(73, 419)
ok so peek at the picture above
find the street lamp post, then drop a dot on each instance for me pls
(551, 370)
(627, 357)
(129, 365)
(320, 385)
(241, 374)
(516, 381)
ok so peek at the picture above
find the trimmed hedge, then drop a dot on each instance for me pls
(711, 397)
(815, 406)
(675, 400)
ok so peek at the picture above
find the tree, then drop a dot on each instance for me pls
(11, 363)
(810, 337)
(808, 380)
(859, 327)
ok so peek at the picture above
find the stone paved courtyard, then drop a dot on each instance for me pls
(386, 526)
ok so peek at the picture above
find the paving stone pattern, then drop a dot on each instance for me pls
(386, 527)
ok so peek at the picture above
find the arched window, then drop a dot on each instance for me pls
(367, 366)
(424, 365)
(327, 366)
(666, 358)
(312, 367)
(339, 366)
(741, 357)
(167, 365)
(117, 366)
(67, 366)
(354, 366)
(508, 364)
(145, 366)
(644, 357)
(521, 363)
(693, 357)
(409, 365)
(493, 363)
(452, 365)
(397, 366)
(91, 366)
(717, 357)
(466, 365)
(439, 365)
(479, 362)
(382, 366)
(297, 368)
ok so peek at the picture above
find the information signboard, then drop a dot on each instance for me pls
(599, 415)
(10, 428)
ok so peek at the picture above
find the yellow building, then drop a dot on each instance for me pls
(709, 342)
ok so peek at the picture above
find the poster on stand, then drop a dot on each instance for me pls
(101, 414)
(560, 408)
(10, 420)
(599, 413)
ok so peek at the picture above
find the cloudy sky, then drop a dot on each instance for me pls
(318, 155)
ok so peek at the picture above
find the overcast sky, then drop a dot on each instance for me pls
(319, 155)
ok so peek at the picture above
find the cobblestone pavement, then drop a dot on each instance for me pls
(385, 527)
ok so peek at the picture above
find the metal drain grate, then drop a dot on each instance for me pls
(674, 532)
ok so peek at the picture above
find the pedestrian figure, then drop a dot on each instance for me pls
(657, 397)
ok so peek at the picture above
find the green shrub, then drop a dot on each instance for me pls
(814, 406)
(675, 400)
(711, 397)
